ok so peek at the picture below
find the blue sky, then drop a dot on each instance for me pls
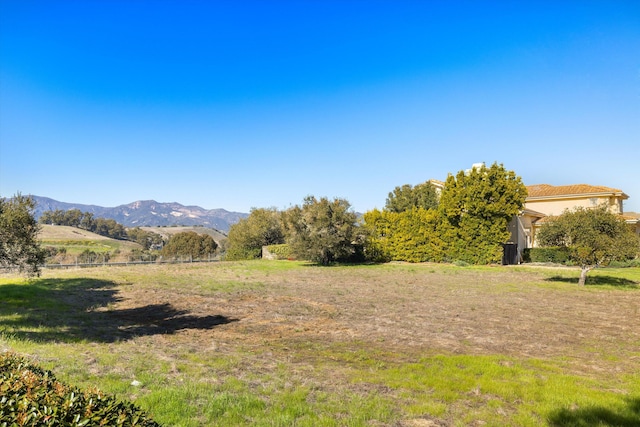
(240, 104)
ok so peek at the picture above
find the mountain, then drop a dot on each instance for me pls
(149, 213)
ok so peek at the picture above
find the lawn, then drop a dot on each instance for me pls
(280, 343)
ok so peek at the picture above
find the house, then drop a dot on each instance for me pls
(546, 200)
(554, 200)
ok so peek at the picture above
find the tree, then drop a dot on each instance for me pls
(52, 217)
(109, 228)
(144, 238)
(247, 237)
(593, 237)
(19, 247)
(191, 244)
(476, 207)
(406, 197)
(88, 222)
(321, 231)
(73, 217)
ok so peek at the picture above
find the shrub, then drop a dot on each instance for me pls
(281, 251)
(626, 263)
(556, 255)
(31, 396)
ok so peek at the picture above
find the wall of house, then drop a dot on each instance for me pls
(558, 206)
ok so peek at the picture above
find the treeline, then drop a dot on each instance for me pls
(467, 222)
(102, 226)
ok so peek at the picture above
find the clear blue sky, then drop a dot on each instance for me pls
(240, 104)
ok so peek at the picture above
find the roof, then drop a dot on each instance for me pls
(551, 191)
(631, 217)
(531, 212)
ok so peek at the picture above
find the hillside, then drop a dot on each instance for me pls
(149, 213)
(167, 232)
(53, 233)
(75, 240)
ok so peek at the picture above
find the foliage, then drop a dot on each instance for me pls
(90, 257)
(281, 251)
(102, 226)
(321, 230)
(476, 207)
(405, 198)
(592, 237)
(109, 228)
(191, 244)
(411, 235)
(19, 247)
(470, 224)
(556, 255)
(378, 228)
(32, 396)
(626, 264)
(146, 239)
(262, 227)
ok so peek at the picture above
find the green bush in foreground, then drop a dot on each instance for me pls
(31, 396)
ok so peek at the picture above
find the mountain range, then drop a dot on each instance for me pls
(149, 213)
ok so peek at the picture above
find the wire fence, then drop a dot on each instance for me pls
(138, 261)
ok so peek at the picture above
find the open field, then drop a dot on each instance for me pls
(277, 343)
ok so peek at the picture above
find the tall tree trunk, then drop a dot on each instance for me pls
(583, 276)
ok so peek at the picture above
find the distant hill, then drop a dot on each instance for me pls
(167, 232)
(149, 213)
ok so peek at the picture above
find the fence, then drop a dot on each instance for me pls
(186, 260)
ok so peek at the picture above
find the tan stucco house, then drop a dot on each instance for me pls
(546, 200)
(554, 200)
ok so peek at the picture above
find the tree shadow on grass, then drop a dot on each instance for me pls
(72, 310)
(597, 280)
(597, 416)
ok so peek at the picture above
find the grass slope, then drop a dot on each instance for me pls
(76, 240)
(277, 343)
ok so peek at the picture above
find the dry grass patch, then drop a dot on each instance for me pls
(391, 344)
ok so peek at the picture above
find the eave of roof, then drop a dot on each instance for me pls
(546, 191)
(531, 212)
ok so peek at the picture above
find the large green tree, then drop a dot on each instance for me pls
(407, 197)
(19, 247)
(593, 237)
(190, 244)
(322, 230)
(476, 206)
(262, 227)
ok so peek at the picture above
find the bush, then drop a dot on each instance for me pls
(281, 251)
(626, 263)
(31, 396)
(558, 255)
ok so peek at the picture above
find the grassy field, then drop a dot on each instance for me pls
(278, 343)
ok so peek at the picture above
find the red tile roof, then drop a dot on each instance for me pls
(546, 190)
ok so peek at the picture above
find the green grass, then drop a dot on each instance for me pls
(527, 392)
(61, 321)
